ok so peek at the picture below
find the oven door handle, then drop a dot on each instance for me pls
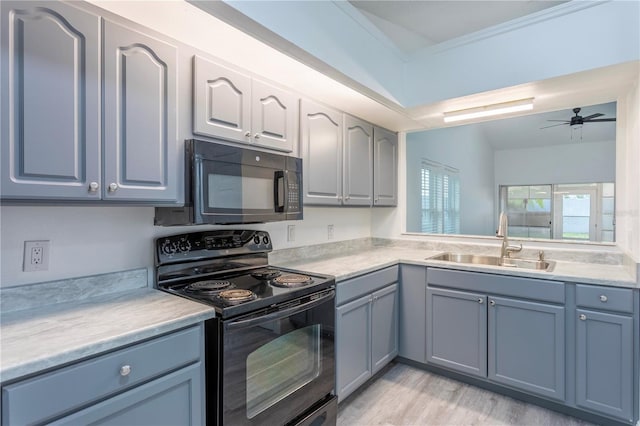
(244, 323)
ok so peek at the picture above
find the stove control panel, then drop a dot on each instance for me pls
(210, 244)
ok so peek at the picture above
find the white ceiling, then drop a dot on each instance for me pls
(524, 132)
(416, 24)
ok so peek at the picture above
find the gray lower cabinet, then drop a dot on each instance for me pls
(457, 330)
(385, 168)
(604, 363)
(507, 340)
(68, 79)
(366, 328)
(412, 312)
(160, 381)
(526, 342)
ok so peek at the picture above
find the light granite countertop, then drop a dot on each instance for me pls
(360, 260)
(42, 336)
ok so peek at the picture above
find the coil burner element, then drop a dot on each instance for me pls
(292, 280)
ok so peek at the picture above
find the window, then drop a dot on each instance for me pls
(563, 211)
(440, 186)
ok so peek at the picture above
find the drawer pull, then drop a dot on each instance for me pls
(492, 303)
(480, 300)
(603, 298)
(125, 370)
(583, 317)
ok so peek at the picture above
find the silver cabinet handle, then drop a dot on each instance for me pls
(582, 317)
(248, 134)
(125, 370)
(603, 298)
(257, 136)
(113, 187)
(492, 302)
(93, 187)
(480, 300)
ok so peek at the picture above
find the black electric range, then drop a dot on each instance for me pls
(229, 270)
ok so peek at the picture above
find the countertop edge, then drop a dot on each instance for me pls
(98, 347)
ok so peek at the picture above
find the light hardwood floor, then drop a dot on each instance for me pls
(405, 395)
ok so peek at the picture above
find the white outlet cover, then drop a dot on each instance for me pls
(29, 246)
(291, 233)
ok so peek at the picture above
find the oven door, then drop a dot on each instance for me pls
(277, 366)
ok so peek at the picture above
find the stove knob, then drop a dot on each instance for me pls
(256, 239)
(265, 240)
(168, 247)
(184, 245)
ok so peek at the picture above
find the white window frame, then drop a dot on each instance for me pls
(439, 198)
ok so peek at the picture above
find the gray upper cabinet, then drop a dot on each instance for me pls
(457, 330)
(604, 363)
(385, 167)
(357, 162)
(222, 101)
(233, 106)
(50, 101)
(273, 117)
(321, 149)
(51, 116)
(141, 141)
(526, 347)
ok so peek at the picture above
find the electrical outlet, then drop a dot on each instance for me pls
(36, 256)
(291, 233)
(330, 232)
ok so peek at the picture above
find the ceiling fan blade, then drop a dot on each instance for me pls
(599, 119)
(564, 121)
(589, 117)
(554, 125)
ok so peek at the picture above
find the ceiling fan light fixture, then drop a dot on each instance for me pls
(489, 110)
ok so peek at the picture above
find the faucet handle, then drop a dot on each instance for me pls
(541, 255)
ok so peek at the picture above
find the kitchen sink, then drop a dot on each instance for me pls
(474, 259)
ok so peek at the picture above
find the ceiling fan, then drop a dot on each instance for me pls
(577, 121)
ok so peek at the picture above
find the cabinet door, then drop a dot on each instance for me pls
(357, 162)
(526, 346)
(384, 327)
(353, 345)
(321, 149)
(140, 134)
(174, 399)
(604, 363)
(221, 101)
(50, 101)
(412, 312)
(273, 117)
(385, 167)
(457, 330)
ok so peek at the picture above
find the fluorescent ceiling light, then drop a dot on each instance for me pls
(489, 110)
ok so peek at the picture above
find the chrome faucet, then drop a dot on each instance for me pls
(506, 249)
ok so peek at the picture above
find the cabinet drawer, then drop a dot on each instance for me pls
(506, 285)
(606, 298)
(67, 389)
(365, 284)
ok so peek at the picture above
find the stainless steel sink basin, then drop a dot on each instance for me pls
(541, 265)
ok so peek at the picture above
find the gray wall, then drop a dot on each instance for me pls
(571, 163)
(464, 148)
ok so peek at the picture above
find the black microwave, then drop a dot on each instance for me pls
(230, 185)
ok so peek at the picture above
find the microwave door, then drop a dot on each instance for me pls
(240, 193)
(279, 185)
